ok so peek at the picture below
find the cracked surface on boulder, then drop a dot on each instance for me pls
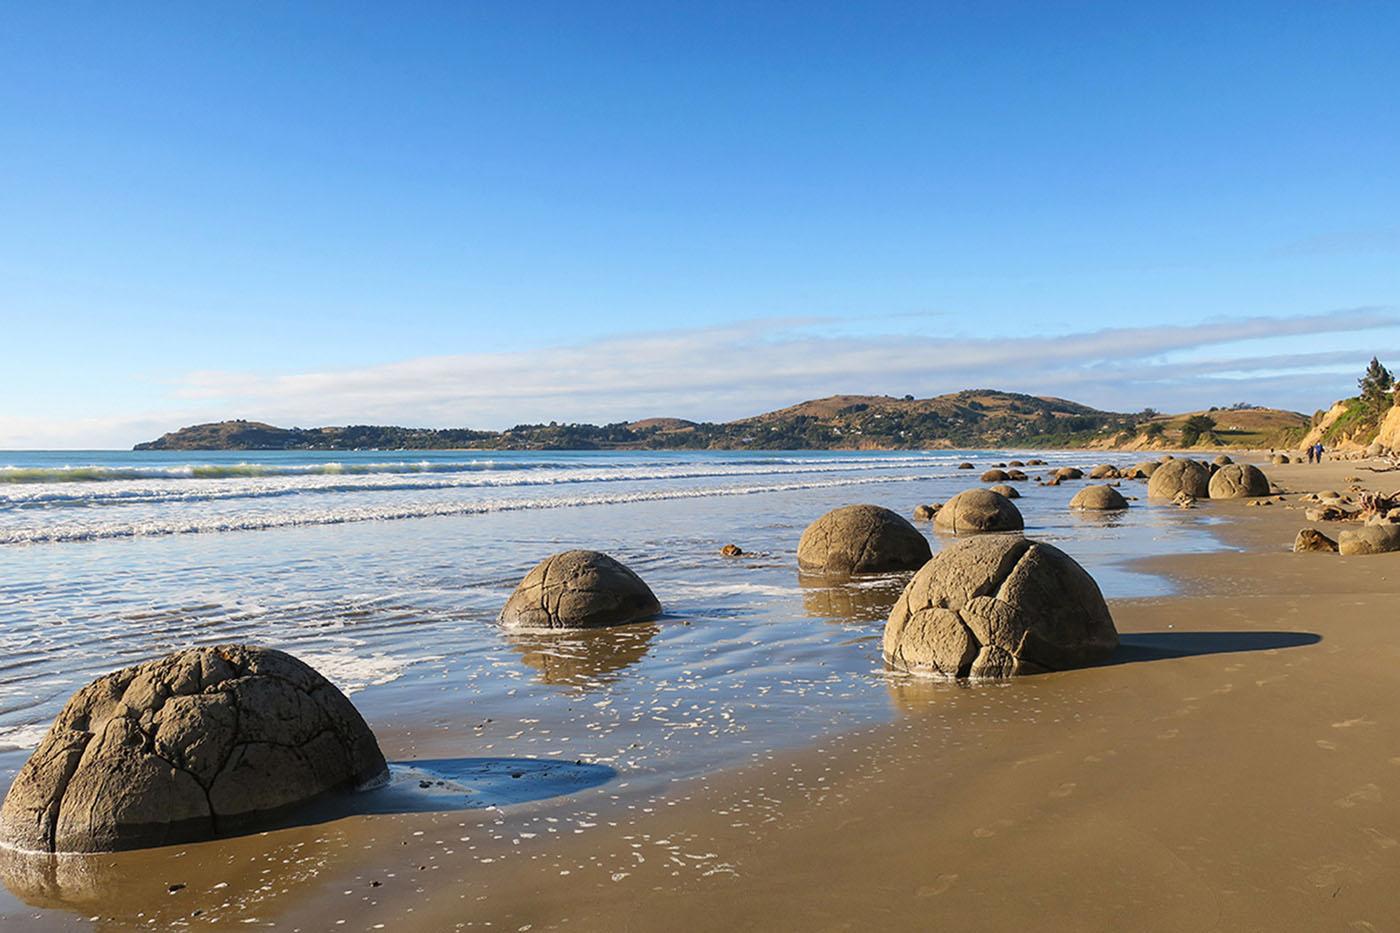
(1238, 481)
(182, 748)
(976, 511)
(1177, 476)
(862, 539)
(579, 589)
(998, 606)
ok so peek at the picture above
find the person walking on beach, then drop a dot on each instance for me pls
(1312, 452)
(1318, 450)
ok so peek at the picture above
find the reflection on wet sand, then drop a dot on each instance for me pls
(243, 879)
(587, 657)
(851, 599)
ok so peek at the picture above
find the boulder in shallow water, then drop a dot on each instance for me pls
(1069, 473)
(579, 589)
(995, 476)
(1104, 471)
(1002, 489)
(976, 511)
(1238, 481)
(862, 539)
(1098, 498)
(201, 742)
(925, 513)
(996, 606)
(1179, 476)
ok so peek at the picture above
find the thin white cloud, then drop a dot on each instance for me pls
(735, 371)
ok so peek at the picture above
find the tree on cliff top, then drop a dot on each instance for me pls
(1194, 427)
(1376, 386)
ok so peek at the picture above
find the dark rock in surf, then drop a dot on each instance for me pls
(579, 589)
(862, 539)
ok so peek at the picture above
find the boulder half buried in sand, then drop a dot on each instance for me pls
(1238, 481)
(198, 743)
(977, 511)
(1179, 476)
(1310, 539)
(1098, 498)
(862, 539)
(1369, 539)
(579, 589)
(996, 606)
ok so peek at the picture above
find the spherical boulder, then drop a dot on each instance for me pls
(1104, 471)
(1069, 473)
(1144, 470)
(1035, 461)
(965, 466)
(1238, 481)
(975, 511)
(1015, 463)
(201, 742)
(862, 539)
(1005, 490)
(1223, 460)
(579, 589)
(997, 606)
(1098, 498)
(1016, 476)
(1179, 476)
(995, 476)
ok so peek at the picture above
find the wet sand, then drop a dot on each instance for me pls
(1235, 766)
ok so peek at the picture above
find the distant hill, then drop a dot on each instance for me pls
(968, 419)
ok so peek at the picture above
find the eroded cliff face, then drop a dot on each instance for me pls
(1322, 427)
(1389, 435)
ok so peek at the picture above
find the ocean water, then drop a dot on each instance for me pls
(386, 570)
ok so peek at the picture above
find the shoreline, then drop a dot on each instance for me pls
(1048, 799)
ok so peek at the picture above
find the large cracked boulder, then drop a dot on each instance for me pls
(998, 606)
(977, 511)
(579, 589)
(862, 539)
(184, 748)
(1098, 498)
(1177, 476)
(1238, 481)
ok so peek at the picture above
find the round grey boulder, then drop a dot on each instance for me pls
(1005, 490)
(1098, 498)
(1178, 476)
(995, 476)
(199, 743)
(1104, 471)
(1069, 473)
(862, 539)
(1238, 481)
(1223, 460)
(1144, 470)
(579, 589)
(998, 606)
(976, 511)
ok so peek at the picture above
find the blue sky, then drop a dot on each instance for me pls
(478, 214)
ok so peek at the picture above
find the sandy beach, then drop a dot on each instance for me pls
(1233, 766)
